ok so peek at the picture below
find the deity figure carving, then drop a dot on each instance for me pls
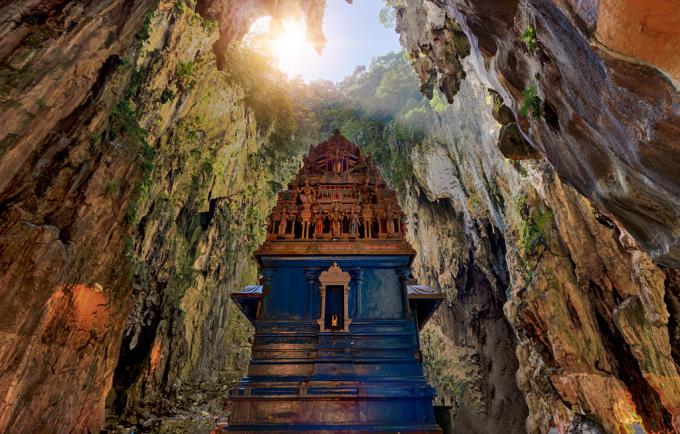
(318, 225)
(368, 219)
(338, 195)
(390, 224)
(283, 223)
(306, 215)
(354, 225)
(335, 222)
(336, 160)
(307, 193)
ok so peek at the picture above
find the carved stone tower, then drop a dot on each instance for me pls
(336, 319)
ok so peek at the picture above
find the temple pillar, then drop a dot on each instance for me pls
(265, 278)
(312, 275)
(404, 274)
(358, 276)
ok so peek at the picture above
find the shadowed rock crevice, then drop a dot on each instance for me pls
(655, 418)
(672, 300)
(135, 350)
(469, 349)
(511, 141)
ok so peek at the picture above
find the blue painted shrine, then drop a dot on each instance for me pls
(336, 316)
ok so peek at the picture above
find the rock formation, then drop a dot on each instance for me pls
(135, 177)
(594, 84)
(129, 190)
(534, 271)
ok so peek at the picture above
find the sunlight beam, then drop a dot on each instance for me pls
(287, 43)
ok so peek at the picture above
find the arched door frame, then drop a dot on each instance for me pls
(334, 276)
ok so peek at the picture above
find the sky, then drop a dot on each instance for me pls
(354, 36)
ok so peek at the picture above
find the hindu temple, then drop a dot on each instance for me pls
(336, 313)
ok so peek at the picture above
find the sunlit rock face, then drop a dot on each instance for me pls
(128, 203)
(604, 76)
(556, 317)
(64, 297)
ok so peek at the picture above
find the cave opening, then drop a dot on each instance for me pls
(528, 151)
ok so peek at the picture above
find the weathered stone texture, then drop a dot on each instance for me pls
(606, 75)
(128, 203)
(591, 318)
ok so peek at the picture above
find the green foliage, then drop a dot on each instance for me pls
(532, 233)
(144, 32)
(381, 109)
(124, 129)
(128, 247)
(166, 96)
(529, 38)
(389, 143)
(179, 7)
(276, 114)
(438, 102)
(147, 154)
(134, 84)
(533, 226)
(36, 38)
(531, 102)
(184, 72)
(123, 125)
(388, 13)
(440, 370)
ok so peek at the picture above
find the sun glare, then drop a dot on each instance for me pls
(288, 44)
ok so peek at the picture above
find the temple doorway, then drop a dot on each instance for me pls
(335, 308)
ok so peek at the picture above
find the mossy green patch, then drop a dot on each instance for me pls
(531, 102)
(184, 73)
(529, 38)
(533, 224)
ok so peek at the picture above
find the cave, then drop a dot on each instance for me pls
(498, 180)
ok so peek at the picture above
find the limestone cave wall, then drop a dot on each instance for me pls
(554, 313)
(593, 86)
(134, 177)
(136, 168)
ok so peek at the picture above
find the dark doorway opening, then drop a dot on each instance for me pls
(335, 308)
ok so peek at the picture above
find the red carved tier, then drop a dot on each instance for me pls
(337, 204)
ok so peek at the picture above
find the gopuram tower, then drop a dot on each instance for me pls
(336, 316)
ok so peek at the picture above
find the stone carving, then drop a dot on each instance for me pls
(338, 195)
